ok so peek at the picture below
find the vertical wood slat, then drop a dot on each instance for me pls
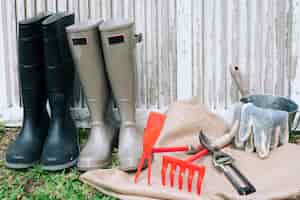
(151, 62)
(269, 50)
(172, 50)
(187, 47)
(220, 69)
(11, 37)
(209, 51)
(295, 79)
(3, 70)
(95, 9)
(8, 53)
(163, 65)
(184, 49)
(140, 52)
(106, 9)
(224, 46)
(51, 5)
(289, 44)
(197, 66)
(117, 8)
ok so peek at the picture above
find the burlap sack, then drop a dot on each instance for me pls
(278, 177)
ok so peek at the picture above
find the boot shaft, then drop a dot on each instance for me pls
(59, 63)
(119, 43)
(31, 65)
(85, 44)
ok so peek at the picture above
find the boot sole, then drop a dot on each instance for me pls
(131, 169)
(59, 167)
(20, 166)
(86, 166)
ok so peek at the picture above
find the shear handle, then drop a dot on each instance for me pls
(242, 190)
(249, 186)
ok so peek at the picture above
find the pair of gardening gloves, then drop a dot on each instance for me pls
(259, 129)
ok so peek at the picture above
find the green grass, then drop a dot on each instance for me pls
(2, 128)
(294, 138)
(36, 184)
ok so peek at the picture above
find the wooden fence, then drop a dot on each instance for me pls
(187, 47)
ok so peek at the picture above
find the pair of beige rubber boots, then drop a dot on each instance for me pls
(104, 54)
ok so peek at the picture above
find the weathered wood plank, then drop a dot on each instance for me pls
(219, 71)
(261, 44)
(6, 54)
(224, 52)
(95, 9)
(151, 53)
(184, 49)
(40, 6)
(154, 98)
(172, 51)
(163, 56)
(209, 52)
(197, 50)
(3, 77)
(106, 10)
(280, 37)
(117, 9)
(12, 52)
(213, 54)
(140, 52)
(51, 5)
(295, 82)
(129, 9)
(289, 45)
(269, 49)
(62, 5)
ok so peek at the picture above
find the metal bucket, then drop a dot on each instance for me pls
(266, 101)
(276, 103)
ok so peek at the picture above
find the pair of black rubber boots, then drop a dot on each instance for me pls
(46, 73)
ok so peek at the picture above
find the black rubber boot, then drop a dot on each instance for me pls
(61, 149)
(26, 150)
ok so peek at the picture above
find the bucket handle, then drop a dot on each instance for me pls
(239, 80)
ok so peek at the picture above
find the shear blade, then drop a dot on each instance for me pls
(206, 142)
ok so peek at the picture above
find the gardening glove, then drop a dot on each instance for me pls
(260, 129)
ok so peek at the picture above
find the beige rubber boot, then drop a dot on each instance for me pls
(118, 44)
(84, 41)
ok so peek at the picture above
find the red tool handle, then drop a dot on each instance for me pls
(169, 149)
(198, 155)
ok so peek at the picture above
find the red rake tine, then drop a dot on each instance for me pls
(147, 155)
(184, 165)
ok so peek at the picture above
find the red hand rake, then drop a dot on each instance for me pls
(151, 133)
(184, 166)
